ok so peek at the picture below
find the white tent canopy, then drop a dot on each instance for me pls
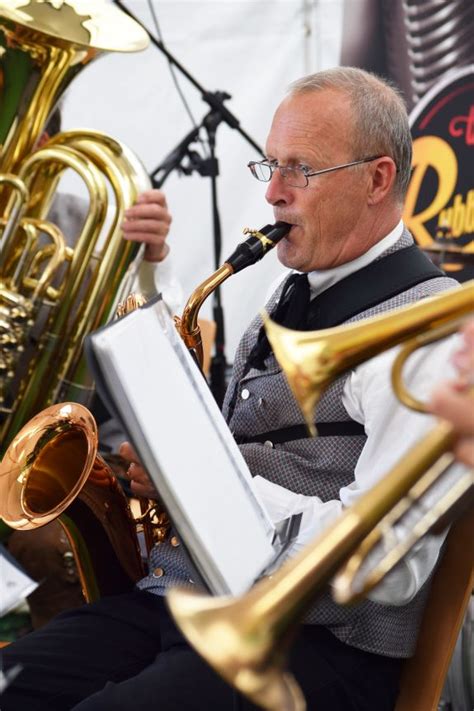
(251, 49)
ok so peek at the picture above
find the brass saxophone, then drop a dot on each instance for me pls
(156, 522)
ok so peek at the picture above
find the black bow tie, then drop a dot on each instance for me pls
(291, 311)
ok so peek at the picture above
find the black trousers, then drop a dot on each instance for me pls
(125, 653)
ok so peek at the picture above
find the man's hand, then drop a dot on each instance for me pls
(140, 482)
(148, 221)
(454, 401)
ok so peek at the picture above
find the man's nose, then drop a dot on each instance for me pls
(278, 191)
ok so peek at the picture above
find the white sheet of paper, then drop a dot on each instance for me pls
(187, 448)
(15, 585)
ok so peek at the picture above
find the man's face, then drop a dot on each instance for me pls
(314, 129)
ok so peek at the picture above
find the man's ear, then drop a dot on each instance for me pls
(383, 172)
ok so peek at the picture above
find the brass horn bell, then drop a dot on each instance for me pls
(52, 470)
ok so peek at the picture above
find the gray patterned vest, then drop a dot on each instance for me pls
(314, 467)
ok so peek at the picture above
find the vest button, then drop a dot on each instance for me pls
(158, 573)
(245, 394)
(268, 443)
(174, 541)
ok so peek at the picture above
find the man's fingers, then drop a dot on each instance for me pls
(127, 451)
(464, 451)
(152, 196)
(141, 484)
(146, 227)
(148, 211)
(456, 407)
(142, 490)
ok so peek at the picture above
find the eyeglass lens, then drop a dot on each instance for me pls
(293, 176)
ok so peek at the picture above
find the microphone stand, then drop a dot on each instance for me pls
(206, 167)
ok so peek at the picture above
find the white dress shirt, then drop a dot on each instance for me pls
(391, 430)
(154, 277)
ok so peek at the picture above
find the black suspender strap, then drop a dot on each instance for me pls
(346, 428)
(377, 282)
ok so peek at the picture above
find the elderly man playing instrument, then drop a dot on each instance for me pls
(338, 160)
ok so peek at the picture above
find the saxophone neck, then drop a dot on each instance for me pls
(247, 252)
(187, 325)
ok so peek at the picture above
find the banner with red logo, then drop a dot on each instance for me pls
(439, 208)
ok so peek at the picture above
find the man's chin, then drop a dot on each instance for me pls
(288, 255)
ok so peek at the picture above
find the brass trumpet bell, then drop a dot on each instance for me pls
(236, 639)
(311, 360)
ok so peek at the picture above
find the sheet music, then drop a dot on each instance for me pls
(185, 444)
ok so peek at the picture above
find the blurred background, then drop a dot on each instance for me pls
(250, 49)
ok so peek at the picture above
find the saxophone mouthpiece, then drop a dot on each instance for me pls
(257, 245)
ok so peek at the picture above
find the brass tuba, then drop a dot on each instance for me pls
(52, 294)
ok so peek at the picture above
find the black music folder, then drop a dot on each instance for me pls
(147, 378)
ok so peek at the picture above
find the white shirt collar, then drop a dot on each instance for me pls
(321, 280)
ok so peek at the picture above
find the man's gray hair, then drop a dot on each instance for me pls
(381, 119)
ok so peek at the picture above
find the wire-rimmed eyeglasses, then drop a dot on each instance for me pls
(295, 176)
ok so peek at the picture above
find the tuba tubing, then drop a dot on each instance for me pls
(43, 50)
